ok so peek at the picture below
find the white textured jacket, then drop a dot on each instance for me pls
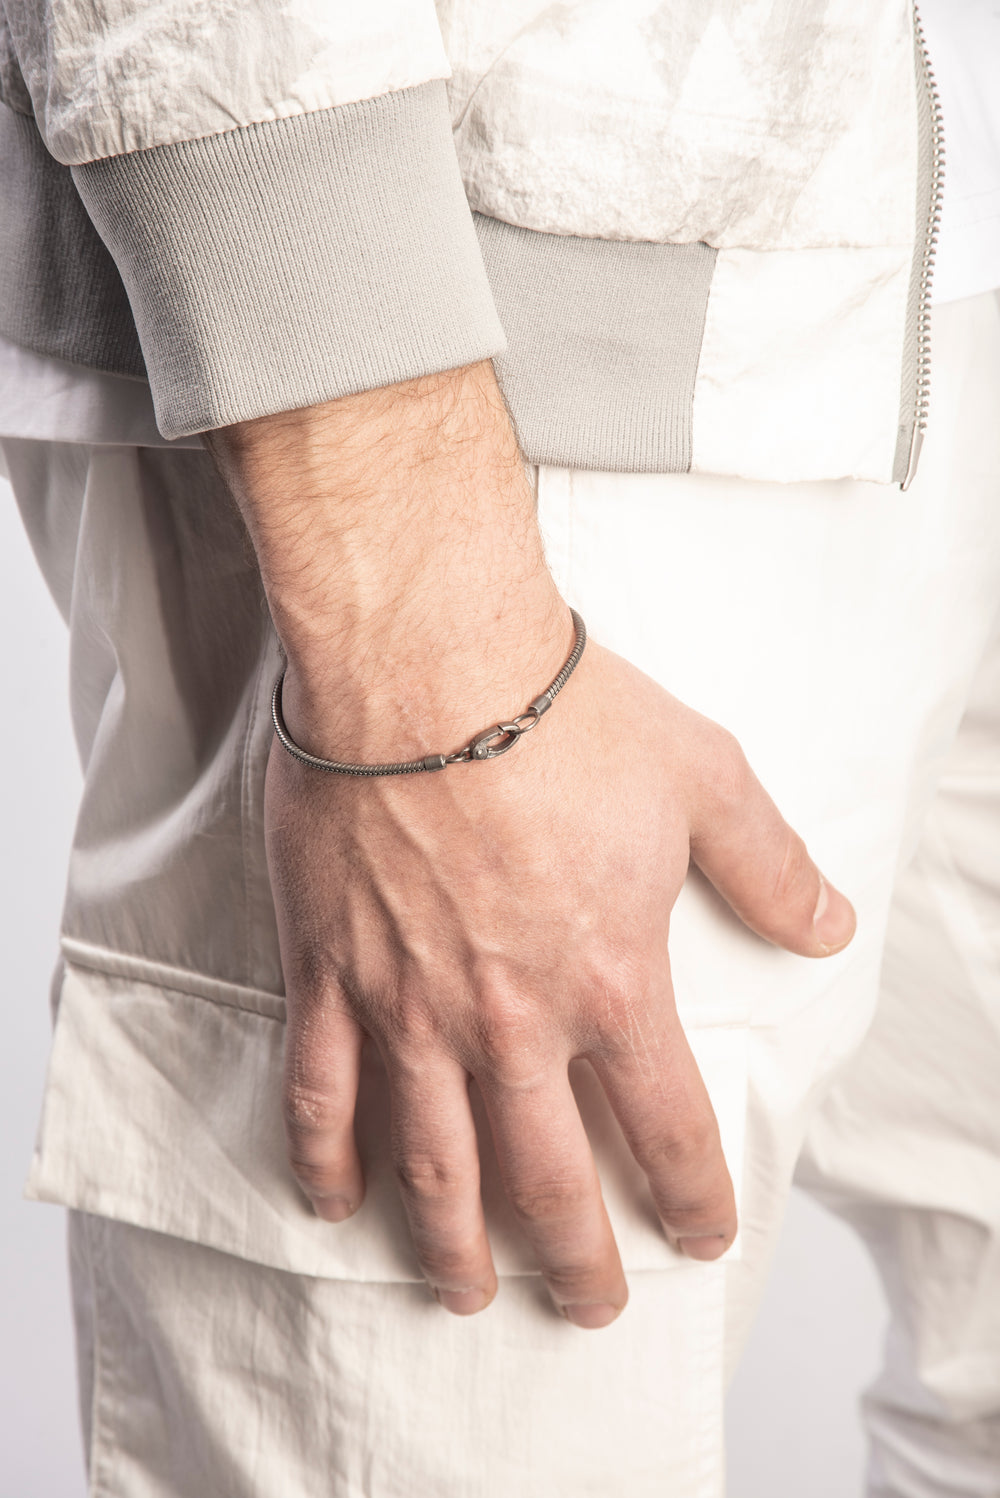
(659, 217)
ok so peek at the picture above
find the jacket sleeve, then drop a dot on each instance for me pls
(277, 183)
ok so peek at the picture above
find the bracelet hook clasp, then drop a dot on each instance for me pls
(493, 742)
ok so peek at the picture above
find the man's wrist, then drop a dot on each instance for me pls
(399, 549)
(430, 702)
(495, 740)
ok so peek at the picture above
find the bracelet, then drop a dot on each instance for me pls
(489, 744)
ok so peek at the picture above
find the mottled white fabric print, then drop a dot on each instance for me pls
(754, 123)
(110, 76)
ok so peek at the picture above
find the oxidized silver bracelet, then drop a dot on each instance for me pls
(489, 744)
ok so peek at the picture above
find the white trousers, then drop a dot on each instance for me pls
(230, 1344)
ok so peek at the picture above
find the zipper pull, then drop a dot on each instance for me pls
(916, 443)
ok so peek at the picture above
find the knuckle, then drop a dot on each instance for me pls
(309, 1110)
(313, 1174)
(683, 1148)
(713, 1213)
(728, 770)
(309, 980)
(794, 880)
(553, 1199)
(409, 1025)
(506, 1038)
(450, 1263)
(624, 1019)
(427, 1177)
(570, 1283)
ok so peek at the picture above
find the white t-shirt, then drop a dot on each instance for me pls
(45, 398)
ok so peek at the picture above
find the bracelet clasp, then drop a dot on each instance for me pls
(493, 742)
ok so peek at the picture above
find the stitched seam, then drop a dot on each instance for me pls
(710, 1437)
(161, 982)
(99, 1448)
(245, 815)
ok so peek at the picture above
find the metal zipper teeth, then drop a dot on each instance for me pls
(923, 389)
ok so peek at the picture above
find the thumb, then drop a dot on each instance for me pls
(759, 864)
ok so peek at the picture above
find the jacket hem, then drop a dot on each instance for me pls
(603, 342)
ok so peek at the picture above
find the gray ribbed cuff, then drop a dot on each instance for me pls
(604, 341)
(291, 262)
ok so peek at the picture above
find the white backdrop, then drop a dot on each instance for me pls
(793, 1429)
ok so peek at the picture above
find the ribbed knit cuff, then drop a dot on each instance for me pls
(605, 337)
(291, 262)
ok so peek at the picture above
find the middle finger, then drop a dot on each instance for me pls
(551, 1181)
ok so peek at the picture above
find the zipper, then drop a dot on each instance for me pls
(936, 194)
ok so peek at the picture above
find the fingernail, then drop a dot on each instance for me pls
(462, 1302)
(332, 1208)
(591, 1317)
(833, 918)
(711, 1247)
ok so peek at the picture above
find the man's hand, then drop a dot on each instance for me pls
(493, 920)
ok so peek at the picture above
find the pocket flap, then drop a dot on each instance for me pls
(163, 1109)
